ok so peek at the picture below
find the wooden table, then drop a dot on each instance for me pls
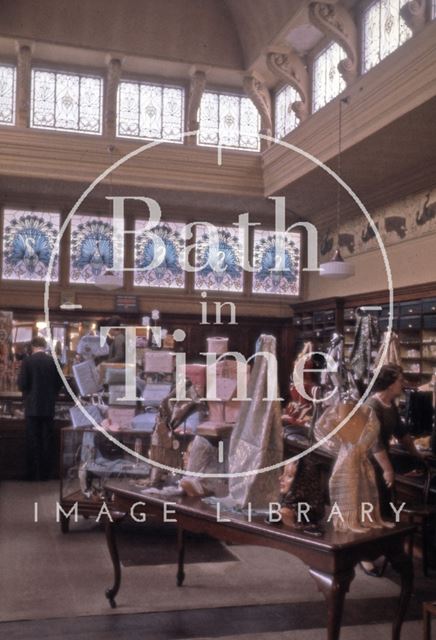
(330, 559)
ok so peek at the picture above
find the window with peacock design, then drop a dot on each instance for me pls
(91, 248)
(276, 259)
(164, 245)
(29, 239)
(219, 259)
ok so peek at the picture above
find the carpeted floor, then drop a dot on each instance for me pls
(148, 544)
(47, 575)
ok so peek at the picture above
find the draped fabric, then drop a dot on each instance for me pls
(393, 353)
(353, 479)
(340, 379)
(365, 341)
(257, 441)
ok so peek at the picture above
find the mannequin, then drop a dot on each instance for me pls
(353, 480)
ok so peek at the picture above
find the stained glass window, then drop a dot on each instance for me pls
(269, 253)
(229, 121)
(327, 81)
(384, 30)
(165, 244)
(220, 259)
(28, 241)
(7, 94)
(150, 111)
(285, 118)
(91, 247)
(66, 101)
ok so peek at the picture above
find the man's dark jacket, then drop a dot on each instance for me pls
(40, 382)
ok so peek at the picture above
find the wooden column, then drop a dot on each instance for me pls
(24, 64)
(110, 103)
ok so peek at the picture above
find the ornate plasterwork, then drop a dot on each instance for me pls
(291, 69)
(196, 89)
(259, 94)
(413, 14)
(336, 22)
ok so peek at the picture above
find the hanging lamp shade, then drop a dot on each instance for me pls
(336, 268)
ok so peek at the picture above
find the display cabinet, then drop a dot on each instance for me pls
(13, 434)
(89, 458)
(414, 321)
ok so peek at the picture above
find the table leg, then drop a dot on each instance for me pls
(113, 550)
(181, 556)
(402, 563)
(333, 587)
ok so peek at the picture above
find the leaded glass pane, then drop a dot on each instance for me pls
(285, 118)
(7, 94)
(66, 101)
(249, 125)
(220, 259)
(384, 30)
(327, 81)
(91, 248)
(209, 119)
(28, 241)
(277, 263)
(150, 111)
(228, 120)
(165, 243)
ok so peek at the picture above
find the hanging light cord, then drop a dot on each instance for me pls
(342, 101)
(339, 170)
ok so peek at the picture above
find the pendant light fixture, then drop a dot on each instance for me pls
(337, 268)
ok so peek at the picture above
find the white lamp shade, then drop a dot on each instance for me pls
(337, 268)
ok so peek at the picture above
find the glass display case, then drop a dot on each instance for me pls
(89, 458)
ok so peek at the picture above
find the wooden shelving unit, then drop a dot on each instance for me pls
(414, 320)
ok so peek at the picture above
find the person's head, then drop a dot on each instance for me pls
(390, 379)
(38, 344)
(113, 321)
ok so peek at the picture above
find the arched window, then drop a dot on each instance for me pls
(7, 94)
(285, 118)
(150, 111)
(383, 31)
(327, 81)
(66, 101)
(228, 120)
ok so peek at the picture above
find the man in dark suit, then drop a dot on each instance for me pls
(40, 383)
